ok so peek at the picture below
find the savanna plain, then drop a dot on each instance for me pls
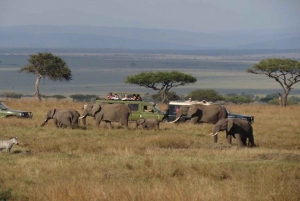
(178, 162)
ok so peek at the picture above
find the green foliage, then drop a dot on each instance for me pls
(5, 195)
(276, 102)
(269, 97)
(45, 96)
(83, 97)
(171, 96)
(205, 94)
(162, 81)
(273, 102)
(238, 99)
(294, 99)
(12, 95)
(48, 65)
(58, 97)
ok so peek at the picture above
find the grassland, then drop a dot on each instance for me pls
(178, 162)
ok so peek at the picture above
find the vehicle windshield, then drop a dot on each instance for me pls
(158, 109)
(3, 107)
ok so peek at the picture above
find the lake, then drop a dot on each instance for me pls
(100, 73)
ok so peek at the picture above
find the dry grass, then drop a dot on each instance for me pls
(179, 162)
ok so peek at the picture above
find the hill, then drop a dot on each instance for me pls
(43, 36)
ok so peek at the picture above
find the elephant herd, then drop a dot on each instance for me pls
(100, 112)
(214, 114)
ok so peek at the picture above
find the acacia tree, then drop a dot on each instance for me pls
(205, 94)
(285, 71)
(48, 66)
(162, 81)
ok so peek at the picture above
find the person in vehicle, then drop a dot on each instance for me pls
(189, 100)
(133, 97)
(115, 97)
(109, 96)
(125, 98)
(138, 97)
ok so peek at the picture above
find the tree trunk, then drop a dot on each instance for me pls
(37, 91)
(163, 96)
(285, 96)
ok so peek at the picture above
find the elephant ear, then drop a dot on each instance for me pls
(95, 109)
(229, 124)
(191, 111)
(52, 113)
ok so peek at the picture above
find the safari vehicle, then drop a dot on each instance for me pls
(5, 112)
(171, 112)
(139, 109)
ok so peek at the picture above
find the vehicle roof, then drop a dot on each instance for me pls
(186, 103)
(126, 101)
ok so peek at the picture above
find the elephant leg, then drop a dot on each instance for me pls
(244, 140)
(239, 140)
(194, 120)
(108, 124)
(251, 141)
(56, 123)
(125, 124)
(84, 121)
(229, 138)
(216, 138)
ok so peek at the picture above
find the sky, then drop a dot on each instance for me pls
(186, 15)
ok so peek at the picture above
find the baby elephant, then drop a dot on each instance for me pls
(148, 123)
(238, 128)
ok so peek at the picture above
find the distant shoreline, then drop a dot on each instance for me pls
(103, 72)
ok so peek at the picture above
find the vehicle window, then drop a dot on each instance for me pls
(148, 108)
(133, 107)
(2, 107)
(173, 109)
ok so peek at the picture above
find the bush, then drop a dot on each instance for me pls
(12, 95)
(238, 99)
(276, 102)
(5, 195)
(205, 94)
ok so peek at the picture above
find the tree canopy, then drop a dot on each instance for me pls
(49, 66)
(284, 71)
(205, 94)
(162, 81)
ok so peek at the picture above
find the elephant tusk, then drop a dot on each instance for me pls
(81, 117)
(44, 122)
(210, 134)
(214, 134)
(174, 120)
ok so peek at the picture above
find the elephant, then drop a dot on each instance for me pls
(238, 128)
(108, 113)
(67, 117)
(200, 113)
(148, 123)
